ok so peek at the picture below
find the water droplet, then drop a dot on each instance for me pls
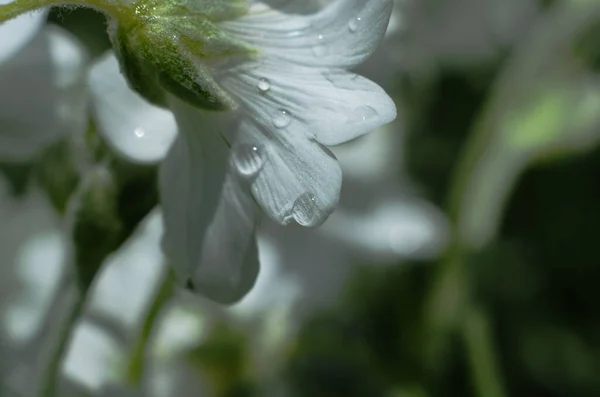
(248, 159)
(139, 132)
(363, 113)
(282, 119)
(264, 85)
(348, 81)
(354, 24)
(305, 211)
(320, 49)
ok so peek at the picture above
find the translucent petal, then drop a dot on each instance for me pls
(16, 33)
(133, 127)
(209, 215)
(342, 35)
(229, 264)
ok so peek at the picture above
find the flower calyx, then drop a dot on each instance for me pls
(171, 46)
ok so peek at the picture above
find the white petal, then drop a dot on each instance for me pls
(191, 181)
(133, 127)
(16, 33)
(208, 212)
(292, 112)
(334, 106)
(299, 181)
(45, 79)
(229, 263)
(344, 34)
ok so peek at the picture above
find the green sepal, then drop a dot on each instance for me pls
(192, 93)
(140, 75)
(214, 10)
(170, 46)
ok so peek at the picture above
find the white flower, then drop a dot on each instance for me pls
(42, 83)
(33, 254)
(17, 33)
(289, 93)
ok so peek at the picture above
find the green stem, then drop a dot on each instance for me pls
(136, 367)
(451, 306)
(478, 337)
(18, 7)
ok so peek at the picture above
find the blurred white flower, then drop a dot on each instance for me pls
(291, 94)
(43, 69)
(33, 256)
(94, 359)
(17, 33)
(457, 33)
(129, 278)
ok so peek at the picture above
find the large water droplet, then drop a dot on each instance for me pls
(362, 114)
(282, 119)
(139, 132)
(354, 24)
(305, 211)
(264, 85)
(248, 159)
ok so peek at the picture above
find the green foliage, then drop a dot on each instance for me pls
(223, 360)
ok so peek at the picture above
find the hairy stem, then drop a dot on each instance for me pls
(18, 7)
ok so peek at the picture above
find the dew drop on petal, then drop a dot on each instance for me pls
(320, 49)
(282, 119)
(305, 211)
(264, 85)
(354, 24)
(248, 159)
(363, 113)
(139, 132)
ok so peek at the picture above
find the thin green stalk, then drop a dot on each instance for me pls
(478, 337)
(18, 7)
(450, 307)
(136, 367)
